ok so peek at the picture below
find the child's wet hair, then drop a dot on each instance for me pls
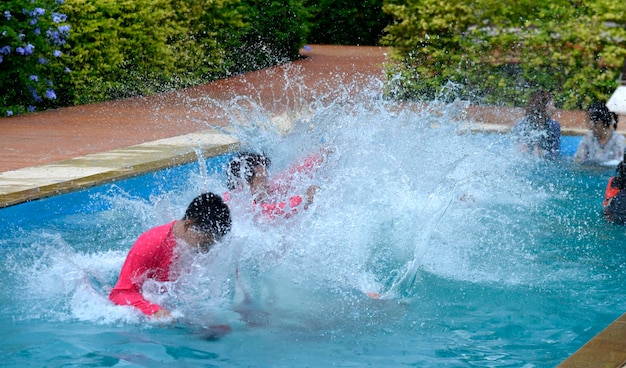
(241, 167)
(619, 181)
(209, 213)
(598, 112)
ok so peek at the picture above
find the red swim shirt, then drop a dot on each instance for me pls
(149, 258)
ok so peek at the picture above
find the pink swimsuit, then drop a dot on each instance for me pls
(282, 184)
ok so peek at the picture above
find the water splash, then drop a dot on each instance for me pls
(405, 196)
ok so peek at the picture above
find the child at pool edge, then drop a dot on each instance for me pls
(270, 196)
(602, 143)
(615, 195)
(206, 220)
(539, 134)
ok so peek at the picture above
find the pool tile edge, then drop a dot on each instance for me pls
(31, 183)
(605, 350)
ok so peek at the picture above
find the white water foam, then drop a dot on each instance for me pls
(405, 191)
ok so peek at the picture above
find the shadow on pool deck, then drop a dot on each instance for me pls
(56, 151)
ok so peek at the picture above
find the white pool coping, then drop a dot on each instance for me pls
(36, 182)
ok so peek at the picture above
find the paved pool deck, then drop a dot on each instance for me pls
(58, 151)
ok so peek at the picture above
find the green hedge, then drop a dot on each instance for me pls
(498, 53)
(347, 22)
(122, 48)
(274, 32)
(62, 52)
(139, 47)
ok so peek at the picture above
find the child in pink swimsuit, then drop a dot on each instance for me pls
(272, 198)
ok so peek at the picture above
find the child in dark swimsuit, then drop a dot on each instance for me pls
(615, 195)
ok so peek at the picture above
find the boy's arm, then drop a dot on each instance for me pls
(127, 291)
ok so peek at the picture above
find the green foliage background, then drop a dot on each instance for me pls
(123, 48)
(499, 52)
(486, 51)
(347, 22)
(273, 33)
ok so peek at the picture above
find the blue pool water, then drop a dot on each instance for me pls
(483, 257)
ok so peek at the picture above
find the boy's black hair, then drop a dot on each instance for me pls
(209, 213)
(598, 112)
(241, 167)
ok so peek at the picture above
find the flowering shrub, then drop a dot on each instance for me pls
(123, 48)
(33, 36)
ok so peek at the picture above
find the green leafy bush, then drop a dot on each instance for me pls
(121, 48)
(347, 22)
(124, 48)
(138, 47)
(273, 34)
(498, 53)
(33, 37)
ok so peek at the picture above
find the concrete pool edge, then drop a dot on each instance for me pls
(605, 350)
(37, 182)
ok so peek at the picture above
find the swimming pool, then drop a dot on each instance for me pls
(482, 257)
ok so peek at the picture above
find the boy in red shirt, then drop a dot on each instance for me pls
(206, 220)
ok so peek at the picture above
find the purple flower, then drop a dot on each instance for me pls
(29, 49)
(38, 12)
(5, 50)
(60, 2)
(36, 97)
(37, 31)
(1, 59)
(58, 37)
(57, 53)
(7, 14)
(42, 60)
(33, 21)
(19, 50)
(67, 70)
(65, 30)
(58, 17)
(34, 78)
(31, 108)
(50, 94)
(9, 113)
